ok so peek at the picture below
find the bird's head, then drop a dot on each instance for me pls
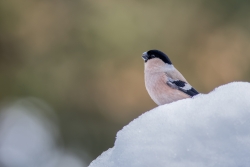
(156, 54)
(156, 60)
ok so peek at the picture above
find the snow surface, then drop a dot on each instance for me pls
(207, 130)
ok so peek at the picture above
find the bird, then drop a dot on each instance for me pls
(164, 83)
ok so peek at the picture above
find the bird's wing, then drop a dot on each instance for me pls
(182, 86)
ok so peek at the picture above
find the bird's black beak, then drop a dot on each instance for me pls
(145, 56)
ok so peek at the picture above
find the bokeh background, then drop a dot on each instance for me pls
(72, 75)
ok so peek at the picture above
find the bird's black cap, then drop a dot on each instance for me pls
(156, 54)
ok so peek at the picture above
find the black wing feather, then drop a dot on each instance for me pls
(192, 92)
(180, 85)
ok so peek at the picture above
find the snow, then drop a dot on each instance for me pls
(208, 130)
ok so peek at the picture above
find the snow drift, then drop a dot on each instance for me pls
(207, 130)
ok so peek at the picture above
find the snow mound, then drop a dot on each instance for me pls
(207, 130)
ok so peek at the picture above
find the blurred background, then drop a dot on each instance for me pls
(72, 75)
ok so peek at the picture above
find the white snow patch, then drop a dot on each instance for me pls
(207, 130)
